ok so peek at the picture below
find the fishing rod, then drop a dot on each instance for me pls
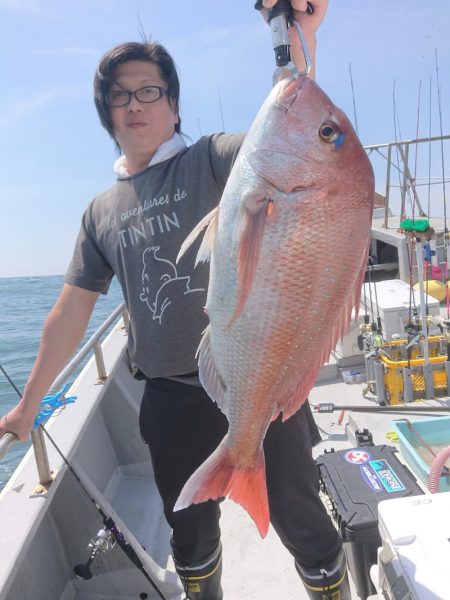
(446, 233)
(416, 153)
(429, 253)
(397, 138)
(402, 187)
(330, 407)
(107, 537)
(411, 229)
(373, 288)
(10, 381)
(353, 97)
(429, 150)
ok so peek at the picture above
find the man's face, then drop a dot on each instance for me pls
(140, 128)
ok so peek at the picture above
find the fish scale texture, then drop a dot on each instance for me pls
(287, 262)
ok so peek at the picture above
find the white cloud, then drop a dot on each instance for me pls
(22, 108)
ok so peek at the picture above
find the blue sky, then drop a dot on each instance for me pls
(56, 156)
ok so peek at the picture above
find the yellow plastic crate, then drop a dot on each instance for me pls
(393, 370)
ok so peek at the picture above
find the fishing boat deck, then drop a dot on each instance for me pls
(46, 536)
(253, 568)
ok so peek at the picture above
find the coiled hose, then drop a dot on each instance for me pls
(434, 478)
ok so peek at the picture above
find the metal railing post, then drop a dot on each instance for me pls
(101, 369)
(126, 318)
(388, 187)
(41, 457)
(405, 157)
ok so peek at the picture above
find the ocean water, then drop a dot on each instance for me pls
(24, 305)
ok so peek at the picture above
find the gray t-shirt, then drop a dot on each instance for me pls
(134, 231)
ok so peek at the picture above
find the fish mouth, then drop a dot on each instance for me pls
(290, 90)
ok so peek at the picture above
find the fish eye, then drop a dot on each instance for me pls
(329, 131)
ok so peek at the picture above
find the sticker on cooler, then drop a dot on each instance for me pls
(371, 478)
(386, 475)
(377, 474)
(380, 477)
(357, 457)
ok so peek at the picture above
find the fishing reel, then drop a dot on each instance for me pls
(370, 340)
(104, 541)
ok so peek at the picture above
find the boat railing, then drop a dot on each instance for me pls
(398, 158)
(93, 345)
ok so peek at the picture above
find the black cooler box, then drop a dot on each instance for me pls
(355, 481)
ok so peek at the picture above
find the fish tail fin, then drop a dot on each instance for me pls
(249, 490)
(218, 477)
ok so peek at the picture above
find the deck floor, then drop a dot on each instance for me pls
(253, 568)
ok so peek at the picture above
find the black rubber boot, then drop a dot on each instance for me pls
(329, 582)
(202, 582)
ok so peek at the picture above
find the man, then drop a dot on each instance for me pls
(134, 231)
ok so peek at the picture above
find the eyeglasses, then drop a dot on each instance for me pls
(147, 94)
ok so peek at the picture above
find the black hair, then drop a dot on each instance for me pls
(151, 52)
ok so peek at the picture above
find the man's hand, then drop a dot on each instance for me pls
(309, 25)
(18, 423)
(63, 331)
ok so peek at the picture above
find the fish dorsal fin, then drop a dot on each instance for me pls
(255, 211)
(208, 374)
(204, 253)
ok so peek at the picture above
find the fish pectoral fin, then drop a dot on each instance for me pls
(209, 377)
(255, 212)
(210, 221)
(218, 478)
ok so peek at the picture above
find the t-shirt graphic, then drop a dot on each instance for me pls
(161, 284)
(134, 231)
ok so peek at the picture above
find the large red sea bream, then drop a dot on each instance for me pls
(288, 247)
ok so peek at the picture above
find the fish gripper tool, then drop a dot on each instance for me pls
(280, 18)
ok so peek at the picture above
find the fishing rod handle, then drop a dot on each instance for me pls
(6, 441)
(324, 407)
